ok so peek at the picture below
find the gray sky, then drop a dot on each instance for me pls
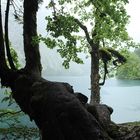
(133, 9)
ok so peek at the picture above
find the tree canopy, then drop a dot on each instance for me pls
(87, 26)
(71, 19)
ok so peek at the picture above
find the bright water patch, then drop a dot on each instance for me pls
(122, 95)
(125, 102)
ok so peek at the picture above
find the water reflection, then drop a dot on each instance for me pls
(122, 83)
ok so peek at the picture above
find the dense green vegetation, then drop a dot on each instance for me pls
(131, 69)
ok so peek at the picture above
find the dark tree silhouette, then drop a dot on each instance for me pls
(54, 107)
(59, 113)
(106, 55)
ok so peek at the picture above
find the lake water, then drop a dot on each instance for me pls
(122, 95)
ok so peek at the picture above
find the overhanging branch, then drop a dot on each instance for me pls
(84, 28)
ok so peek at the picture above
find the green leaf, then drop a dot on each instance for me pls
(5, 99)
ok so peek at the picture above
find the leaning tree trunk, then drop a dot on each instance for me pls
(95, 89)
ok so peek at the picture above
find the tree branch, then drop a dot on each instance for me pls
(31, 49)
(3, 64)
(8, 112)
(54, 8)
(10, 60)
(84, 28)
(105, 73)
(6, 74)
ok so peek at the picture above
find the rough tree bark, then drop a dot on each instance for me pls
(31, 49)
(95, 88)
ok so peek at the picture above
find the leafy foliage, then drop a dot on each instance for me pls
(105, 22)
(9, 117)
(20, 132)
(61, 29)
(15, 57)
(87, 26)
(137, 52)
(112, 18)
(11, 126)
(130, 70)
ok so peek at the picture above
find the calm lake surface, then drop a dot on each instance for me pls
(122, 95)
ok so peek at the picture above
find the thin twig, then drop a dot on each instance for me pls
(8, 112)
(16, 6)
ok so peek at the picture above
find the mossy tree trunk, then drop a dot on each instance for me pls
(95, 88)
